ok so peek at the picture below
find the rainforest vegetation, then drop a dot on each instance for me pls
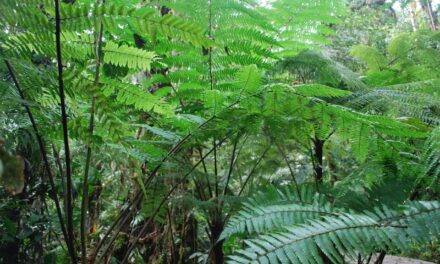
(219, 131)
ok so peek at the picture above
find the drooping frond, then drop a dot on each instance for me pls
(416, 99)
(320, 90)
(146, 20)
(258, 219)
(249, 79)
(370, 56)
(356, 127)
(312, 66)
(334, 236)
(431, 159)
(137, 97)
(303, 25)
(343, 235)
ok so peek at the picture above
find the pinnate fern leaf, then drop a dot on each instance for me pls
(343, 235)
(127, 56)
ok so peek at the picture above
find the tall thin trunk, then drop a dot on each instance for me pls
(380, 258)
(216, 253)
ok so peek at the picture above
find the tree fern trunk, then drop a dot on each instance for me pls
(318, 147)
(216, 254)
(216, 228)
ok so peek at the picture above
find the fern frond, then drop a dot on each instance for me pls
(127, 56)
(319, 90)
(370, 56)
(133, 95)
(315, 66)
(249, 78)
(333, 236)
(258, 219)
(344, 234)
(144, 20)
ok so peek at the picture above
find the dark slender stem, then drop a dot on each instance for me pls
(85, 185)
(251, 173)
(60, 168)
(298, 191)
(211, 84)
(380, 258)
(205, 170)
(215, 167)
(231, 165)
(253, 170)
(69, 209)
(45, 160)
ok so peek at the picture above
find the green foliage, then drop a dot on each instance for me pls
(312, 66)
(335, 236)
(179, 111)
(126, 56)
(374, 60)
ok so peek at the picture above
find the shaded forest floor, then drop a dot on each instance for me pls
(400, 260)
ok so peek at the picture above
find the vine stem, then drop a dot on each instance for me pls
(69, 207)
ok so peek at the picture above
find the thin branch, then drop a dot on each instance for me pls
(253, 170)
(205, 170)
(298, 191)
(231, 165)
(215, 167)
(60, 168)
(69, 209)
